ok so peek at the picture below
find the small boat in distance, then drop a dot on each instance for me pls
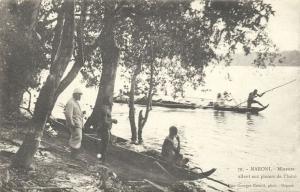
(238, 109)
(160, 103)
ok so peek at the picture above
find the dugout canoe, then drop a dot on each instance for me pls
(160, 103)
(237, 109)
(155, 169)
(148, 167)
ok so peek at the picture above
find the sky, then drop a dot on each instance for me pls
(284, 27)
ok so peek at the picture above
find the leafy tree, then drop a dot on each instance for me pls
(47, 95)
(23, 56)
(194, 37)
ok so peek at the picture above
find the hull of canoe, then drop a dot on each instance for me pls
(152, 168)
(237, 109)
(147, 163)
(172, 105)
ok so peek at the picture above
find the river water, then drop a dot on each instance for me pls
(229, 140)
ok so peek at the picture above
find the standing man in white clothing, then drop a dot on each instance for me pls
(74, 122)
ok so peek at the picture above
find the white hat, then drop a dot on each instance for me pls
(77, 90)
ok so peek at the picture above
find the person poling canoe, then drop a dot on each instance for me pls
(260, 95)
(251, 99)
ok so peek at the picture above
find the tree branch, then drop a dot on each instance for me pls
(79, 58)
(65, 48)
(28, 110)
(58, 31)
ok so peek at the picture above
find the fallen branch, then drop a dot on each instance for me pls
(161, 188)
(140, 181)
(45, 188)
(55, 146)
(73, 165)
(213, 188)
(209, 178)
(217, 181)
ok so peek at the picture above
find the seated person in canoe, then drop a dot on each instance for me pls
(220, 102)
(223, 99)
(227, 96)
(171, 148)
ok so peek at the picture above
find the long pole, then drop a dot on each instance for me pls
(280, 86)
(270, 90)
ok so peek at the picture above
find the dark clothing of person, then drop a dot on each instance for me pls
(140, 126)
(251, 99)
(103, 132)
(170, 152)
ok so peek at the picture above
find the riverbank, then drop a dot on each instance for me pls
(55, 171)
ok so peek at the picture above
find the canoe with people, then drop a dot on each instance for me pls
(163, 168)
(221, 103)
(221, 106)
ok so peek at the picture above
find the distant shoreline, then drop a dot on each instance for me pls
(288, 58)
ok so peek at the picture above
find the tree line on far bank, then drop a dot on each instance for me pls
(95, 37)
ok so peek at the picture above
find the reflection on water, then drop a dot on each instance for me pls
(250, 121)
(219, 116)
(252, 118)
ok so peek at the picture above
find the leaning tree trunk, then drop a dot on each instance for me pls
(79, 58)
(46, 99)
(104, 101)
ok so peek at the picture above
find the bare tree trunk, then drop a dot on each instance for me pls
(46, 99)
(2, 84)
(131, 103)
(143, 120)
(104, 101)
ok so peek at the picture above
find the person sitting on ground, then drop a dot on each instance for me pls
(171, 149)
(251, 99)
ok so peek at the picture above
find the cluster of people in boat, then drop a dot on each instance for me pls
(223, 99)
(226, 99)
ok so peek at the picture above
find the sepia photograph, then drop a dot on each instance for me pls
(149, 95)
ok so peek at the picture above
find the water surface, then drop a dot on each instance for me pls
(229, 140)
